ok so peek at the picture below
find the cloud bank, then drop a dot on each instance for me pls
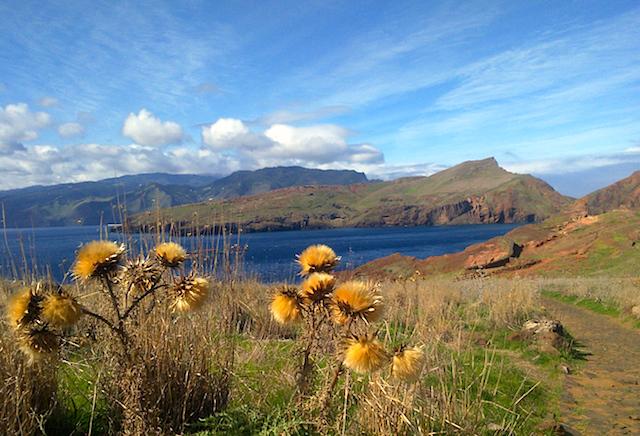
(283, 144)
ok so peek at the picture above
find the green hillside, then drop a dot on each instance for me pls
(597, 234)
(109, 200)
(472, 192)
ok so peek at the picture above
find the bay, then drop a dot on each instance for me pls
(270, 256)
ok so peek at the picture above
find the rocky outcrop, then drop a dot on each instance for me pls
(548, 335)
(494, 256)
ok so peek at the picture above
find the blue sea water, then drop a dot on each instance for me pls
(270, 256)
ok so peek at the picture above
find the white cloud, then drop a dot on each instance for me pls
(283, 144)
(18, 124)
(48, 101)
(69, 130)
(228, 133)
(47, 164)
(145, 129)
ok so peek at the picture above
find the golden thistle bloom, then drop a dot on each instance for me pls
(364, 354)
(317, 287)
(97, 258)
(23, 308)
(37, 343)
(285, 307)
(317, 258)
(356, 300)
(170, 254)
(61, 310)
(407, 364)
(190, 292)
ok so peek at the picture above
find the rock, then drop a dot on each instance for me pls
(549, 335)
(635, 311)
(493, 256)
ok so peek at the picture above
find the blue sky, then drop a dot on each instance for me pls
(95, 89)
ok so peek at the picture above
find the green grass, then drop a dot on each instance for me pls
(602, 307)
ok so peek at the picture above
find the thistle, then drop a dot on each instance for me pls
(170, 254)
(317, 287)
(364, 354)
(317, 258)
(285, 306)
(189, 293)
(61, 310)
(96, 259)
(407, 364)
(139, 274)
(356, 300)
(24, 308)
(38, 342)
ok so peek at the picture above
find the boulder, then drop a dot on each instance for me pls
(548, 335)
(635, 311)
(493, 256)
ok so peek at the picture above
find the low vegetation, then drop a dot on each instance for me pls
(145, 346)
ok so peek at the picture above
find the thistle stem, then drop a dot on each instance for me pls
(138, 300)
(114, 299)
(118, 330)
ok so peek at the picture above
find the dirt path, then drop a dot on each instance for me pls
(603, 396)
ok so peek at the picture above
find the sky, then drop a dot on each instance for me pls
(90, 90)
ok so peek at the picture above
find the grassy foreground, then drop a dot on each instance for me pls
(230, 369)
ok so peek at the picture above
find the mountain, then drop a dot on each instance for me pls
(109, 200)
(267, 179)
(597, 234)
(622, 194)
(472, 192)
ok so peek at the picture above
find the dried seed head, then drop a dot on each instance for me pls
(285, 307)
(170, 254)
(38, 342)
(317, 287)
(356, 300)
(364, 354)
(139, 274)
(61, 310)
(189, 293)
(24, 308)
(317, 258)
(97, 258)
(407, 364)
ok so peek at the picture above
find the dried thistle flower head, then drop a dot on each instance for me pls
(190, 292)
(170, 254)
(317, 258)
(24, 308)
(285, 307)
(139, 274)
(407, 364)
(61, 310)
(38, 342)
(355, 300)
(317, 287)
(364, 354)
(97, 258)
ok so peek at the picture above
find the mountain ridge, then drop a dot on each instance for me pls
(596, 234)
(471, 192)
(108, 200)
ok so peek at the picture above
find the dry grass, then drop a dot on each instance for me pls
(233, 362)
(623, 292)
